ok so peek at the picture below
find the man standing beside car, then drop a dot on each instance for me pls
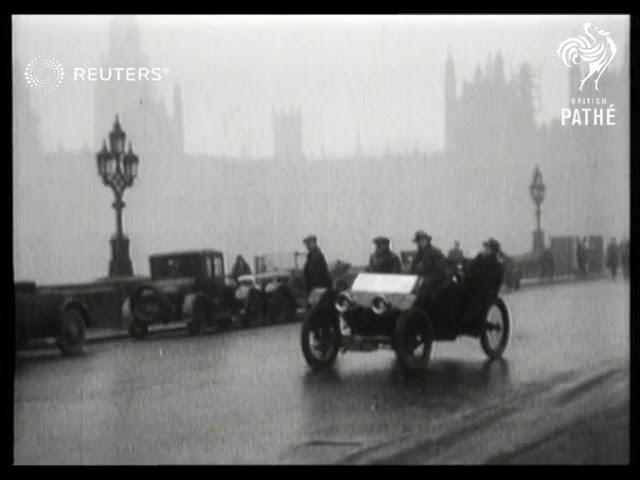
(315, 270)
(383, 260)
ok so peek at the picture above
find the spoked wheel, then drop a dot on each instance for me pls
(72, 331)
(496, 329)
(281, 308)
(198, 318)
(413, 340)
(320, 338)
(146, 304)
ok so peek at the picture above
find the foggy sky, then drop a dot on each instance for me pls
(379, 76)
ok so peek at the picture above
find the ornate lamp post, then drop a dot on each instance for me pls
(537, 191)
(118, 171)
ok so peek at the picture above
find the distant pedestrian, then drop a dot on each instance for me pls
(612, 258)
(455, 256)
(383, 260)
(315, 270)
(581, 254)
(624, 258)
(240, 267)
(547, 265)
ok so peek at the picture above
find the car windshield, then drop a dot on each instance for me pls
(176, 266)
(280, 262)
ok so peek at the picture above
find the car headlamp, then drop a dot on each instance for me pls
(380, 305)
(343, 302)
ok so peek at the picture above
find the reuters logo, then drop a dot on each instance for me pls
(44, 73)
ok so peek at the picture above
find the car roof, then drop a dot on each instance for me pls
(185, 253)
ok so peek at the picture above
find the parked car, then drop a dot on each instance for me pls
(390, 311)
(192, 286)
(268, 298)
(49, 313)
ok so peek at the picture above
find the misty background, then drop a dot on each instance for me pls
(370, 92)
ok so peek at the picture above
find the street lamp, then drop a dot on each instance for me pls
(118, 170)
(537, 190)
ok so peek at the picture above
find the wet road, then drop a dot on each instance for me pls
(248, 396)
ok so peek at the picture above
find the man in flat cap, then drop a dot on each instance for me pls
(383, 260)
(316, 271)
(429, 261)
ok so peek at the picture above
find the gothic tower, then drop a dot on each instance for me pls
(449, 103)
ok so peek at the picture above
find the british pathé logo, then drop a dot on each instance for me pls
(594, 51)
(590, 55)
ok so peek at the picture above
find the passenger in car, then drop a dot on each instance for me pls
(383, 260)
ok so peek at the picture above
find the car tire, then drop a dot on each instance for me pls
(496, 319)
(413, 340)
(72, 330)
(138, 329)
(147, 305)
(320, 337)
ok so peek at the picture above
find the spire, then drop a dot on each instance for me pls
(449, 78)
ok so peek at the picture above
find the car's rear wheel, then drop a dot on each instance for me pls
(320, 337)
(72, 331)
(198, 318)
(496, 330)
(146, 304)
(413, 340)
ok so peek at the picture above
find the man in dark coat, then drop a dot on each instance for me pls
(483, 280)
(429, 261)
(485, 272)
(315, 270)
(383, 260)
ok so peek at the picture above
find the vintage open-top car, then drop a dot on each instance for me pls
(399, 312)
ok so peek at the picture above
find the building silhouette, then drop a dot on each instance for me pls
(287, 136)
(493, 116)
(154, 131)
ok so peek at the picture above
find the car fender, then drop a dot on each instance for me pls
(321, 296)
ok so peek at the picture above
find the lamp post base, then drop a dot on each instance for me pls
(120, 263)
(538, 240)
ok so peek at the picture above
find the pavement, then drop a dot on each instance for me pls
(560, 395)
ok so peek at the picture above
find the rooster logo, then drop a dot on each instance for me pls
(597, 53)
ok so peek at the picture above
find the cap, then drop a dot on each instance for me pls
(381, 240)
(421, 234)
(492, 244)
(310, 238)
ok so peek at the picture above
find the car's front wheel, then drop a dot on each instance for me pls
(413, 340)
(496, 329)
(320, 337)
